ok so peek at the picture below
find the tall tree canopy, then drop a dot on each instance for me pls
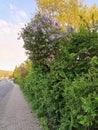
(68, 11)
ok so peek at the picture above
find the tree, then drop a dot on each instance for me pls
(68, 11)
(64, 11)
(16, 72)
(89, 15)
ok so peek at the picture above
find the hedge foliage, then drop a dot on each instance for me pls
(64, 91)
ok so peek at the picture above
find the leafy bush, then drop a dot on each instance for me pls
(81, 104)
(80, 53)
(38, 36)
(66, 96)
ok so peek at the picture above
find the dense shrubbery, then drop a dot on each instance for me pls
(65, 93)
(38, 36)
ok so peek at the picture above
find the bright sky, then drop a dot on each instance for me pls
(91, 2)
(13, 15)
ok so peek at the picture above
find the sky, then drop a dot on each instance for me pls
(90, 2)
(13, 15)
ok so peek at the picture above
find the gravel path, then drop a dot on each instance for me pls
(15, 114)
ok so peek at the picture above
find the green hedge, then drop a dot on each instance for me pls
(63, 104)
(65, 97)
(63, 80)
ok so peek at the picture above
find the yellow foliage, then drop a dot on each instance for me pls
(68, 11)
(16, 72)
(90, 14)
(4, 73)
(23, 69)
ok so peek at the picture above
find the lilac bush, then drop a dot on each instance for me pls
(40, 36)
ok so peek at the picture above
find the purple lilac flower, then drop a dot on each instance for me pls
(51, 22)
(49, 29)
(39, 24)
(59, 35)
(33, 38)
(70, 28)
(56, 23)
(52, 37)
(34, 29)
(56, 36)
(45, 18)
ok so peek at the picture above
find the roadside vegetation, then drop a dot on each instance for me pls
(60, 75)
(4, 73)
